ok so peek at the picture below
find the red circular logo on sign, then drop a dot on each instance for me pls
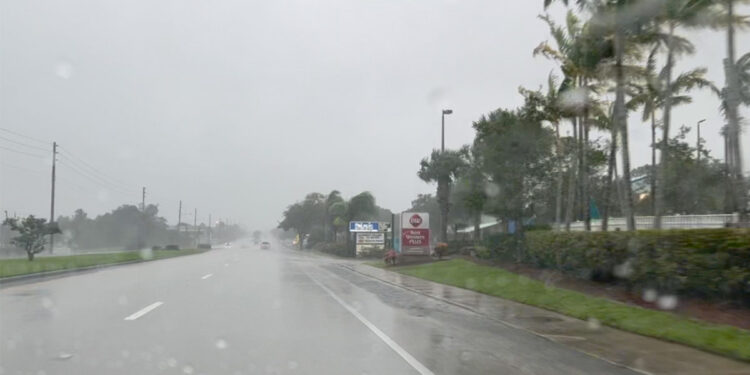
(415, 220)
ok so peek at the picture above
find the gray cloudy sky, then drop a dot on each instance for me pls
(241, 107)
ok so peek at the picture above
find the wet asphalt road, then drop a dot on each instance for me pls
(252, 311)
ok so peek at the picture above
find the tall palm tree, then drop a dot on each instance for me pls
(652, 94)
(614, 18)
(673, 14)
(735, 92)
(443, 167)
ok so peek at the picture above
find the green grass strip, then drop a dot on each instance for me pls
(721, 339)
(22, 266)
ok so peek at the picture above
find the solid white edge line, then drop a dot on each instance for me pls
(206, 276)
(144, 311)
(422, 369)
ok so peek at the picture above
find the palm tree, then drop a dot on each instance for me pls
(735, 92)
(332, 198)
(443, 167)
(580, 51)
(673, 13)
(651, 94)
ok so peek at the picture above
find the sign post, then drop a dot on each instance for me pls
(415, 233)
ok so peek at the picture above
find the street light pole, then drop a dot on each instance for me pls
(442, 132)
(698, 141)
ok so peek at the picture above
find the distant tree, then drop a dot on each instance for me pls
(303, 216)
(32, 233)
(362, 207)
(443, 167)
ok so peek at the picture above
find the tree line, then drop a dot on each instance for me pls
(615, 58)
(325, 217)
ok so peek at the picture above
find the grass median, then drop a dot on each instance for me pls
(721, 339)
(22, 266)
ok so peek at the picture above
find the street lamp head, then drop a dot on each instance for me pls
(447, 111)
(701, 121)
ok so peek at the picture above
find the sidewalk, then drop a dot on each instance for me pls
(640, 353)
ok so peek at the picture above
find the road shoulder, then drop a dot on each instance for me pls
(639, 353)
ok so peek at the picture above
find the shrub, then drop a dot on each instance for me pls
(172, 247)
(204, 246)
(713, 263)
(335, 248)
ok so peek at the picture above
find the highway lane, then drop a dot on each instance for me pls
(252, 311)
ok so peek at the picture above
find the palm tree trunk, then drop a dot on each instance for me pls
(585, 198)
(734, 153)
(621, 117)
(611, 169)
(653, 163)
(443, 197)
(560, 177)
(664, 152)
(570, 205)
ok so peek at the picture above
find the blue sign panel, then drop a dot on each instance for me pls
(364, 226)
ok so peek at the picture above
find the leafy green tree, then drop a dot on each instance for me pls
(332, 198)
(470, 192)
(32, 233)
(516, 152)
(303, 216)
(362, 207)
(443, 167)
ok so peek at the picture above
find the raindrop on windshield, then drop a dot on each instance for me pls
(221, 344)
(650, 295)
(667, 302)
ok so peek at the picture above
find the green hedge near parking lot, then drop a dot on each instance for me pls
(710, 263)
(22, 266)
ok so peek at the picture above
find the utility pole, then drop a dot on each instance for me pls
(209, 229)
(143, 199)
(52, 200)
(179, 217)
(195, 225)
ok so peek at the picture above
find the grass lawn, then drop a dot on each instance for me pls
(21, 266)
(726, 340)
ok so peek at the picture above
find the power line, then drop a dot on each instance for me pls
(99, 182)
(23, 152)
(77, 159)
(100, 178)
(25, 136)
(23, 144)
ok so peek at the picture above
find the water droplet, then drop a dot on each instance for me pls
(64, 356)
(188, 369)
(125, 354)
(147, 254)
(624, 270)
(465, 356)
(492, 190)
(667, 302)
(47, 303)
(650, 295)
(594, 323)
(64, 70)
(171, 362)
(292, 365)
(221, 344)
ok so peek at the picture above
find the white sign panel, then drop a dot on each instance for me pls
(370, 238)
(415, 220)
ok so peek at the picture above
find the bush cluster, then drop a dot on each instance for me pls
(710, 263)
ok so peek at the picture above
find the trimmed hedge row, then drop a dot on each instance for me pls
(712, 263)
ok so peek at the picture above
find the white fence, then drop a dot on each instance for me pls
(668, 222)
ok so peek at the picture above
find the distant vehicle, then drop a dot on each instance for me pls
(228, 245)
(265, 245)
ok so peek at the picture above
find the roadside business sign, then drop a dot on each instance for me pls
(415, 233)
(369, 242)
(364, 226)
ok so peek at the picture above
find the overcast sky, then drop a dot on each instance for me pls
(239, 108)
